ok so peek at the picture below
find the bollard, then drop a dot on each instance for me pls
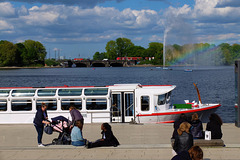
(237, 91)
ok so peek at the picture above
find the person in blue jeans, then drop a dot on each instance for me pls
(76, 134)
(39, 121)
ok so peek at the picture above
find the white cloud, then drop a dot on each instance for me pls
(7, 10)
(155, 38)
(5, 26)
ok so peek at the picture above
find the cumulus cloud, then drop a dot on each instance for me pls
(61, 23)
(82, 3)
(7, 10)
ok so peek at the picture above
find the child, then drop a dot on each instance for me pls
(108, 139)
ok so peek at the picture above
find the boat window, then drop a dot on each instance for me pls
(96, 104)
(116, 105)
(4, 93)
(47, 92)
(70, 92)
(3, 105)
(23, 93)
(145, 103)
(96, 92)
(66, 103)
(162, 99)
(21, 105)
(51, 103)
(168, 97)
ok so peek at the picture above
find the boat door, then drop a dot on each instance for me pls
(122, 106)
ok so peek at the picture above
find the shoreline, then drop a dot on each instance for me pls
(142, 65)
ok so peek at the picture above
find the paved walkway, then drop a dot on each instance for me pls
(149, 141)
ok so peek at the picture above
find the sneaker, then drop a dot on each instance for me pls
(41, 145)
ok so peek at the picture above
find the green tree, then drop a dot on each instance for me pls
(111, 50)
(35, 52)
(99, 56)
(135, 51)
(226, 50)
(122, 45)
(155, 50)
(7, 53)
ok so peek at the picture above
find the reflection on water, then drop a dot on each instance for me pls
(216, 84)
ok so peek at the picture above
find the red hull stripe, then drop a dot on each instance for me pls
(179, 112)
(165, 122)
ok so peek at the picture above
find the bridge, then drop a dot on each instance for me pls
(101, 63)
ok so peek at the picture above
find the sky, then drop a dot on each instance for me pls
(79, 28)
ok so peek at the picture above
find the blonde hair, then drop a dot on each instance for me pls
(196, 153)
(184, 127)
(195, 117)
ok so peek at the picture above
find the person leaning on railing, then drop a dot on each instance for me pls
(76, 116)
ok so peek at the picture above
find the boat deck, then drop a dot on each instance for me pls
(148, 141)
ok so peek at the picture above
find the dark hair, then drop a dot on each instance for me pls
(215, 117)
(43, 105)
(183, 116)
(196, 153)
(78, 124)
(72, 107)
(107, 126)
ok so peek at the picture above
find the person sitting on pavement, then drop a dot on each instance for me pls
(108, 139)
(215, 126)
(76, 116)
(194, 153)
(182, 118)
(76, 134)
(197, 127)
(184, 140)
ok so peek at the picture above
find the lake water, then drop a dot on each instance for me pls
(216, 84)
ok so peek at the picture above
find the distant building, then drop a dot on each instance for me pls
(62, 57)
(129, 58)
(78, 59)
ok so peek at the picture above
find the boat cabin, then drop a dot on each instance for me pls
(116, 103)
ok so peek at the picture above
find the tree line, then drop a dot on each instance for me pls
(188, 54)
(28, 53)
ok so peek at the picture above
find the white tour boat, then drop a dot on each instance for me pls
(116, 103)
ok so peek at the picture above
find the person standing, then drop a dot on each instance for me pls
(76, 116)
(184, 140)
(197, 127)
(39, 121)
(215, 126)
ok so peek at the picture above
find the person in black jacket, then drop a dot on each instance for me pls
(197, 127)
(194, 153)
(39, 121)
(108, 139)
(215, 126)
(182, 118)
(184, 140)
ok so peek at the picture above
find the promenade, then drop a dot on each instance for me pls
(148, 141)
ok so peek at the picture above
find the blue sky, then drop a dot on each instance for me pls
(85, 26)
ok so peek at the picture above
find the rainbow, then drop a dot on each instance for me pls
(202, 50)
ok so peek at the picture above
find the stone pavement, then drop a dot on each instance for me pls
(148, 141)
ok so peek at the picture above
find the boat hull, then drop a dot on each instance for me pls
(173, 115)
